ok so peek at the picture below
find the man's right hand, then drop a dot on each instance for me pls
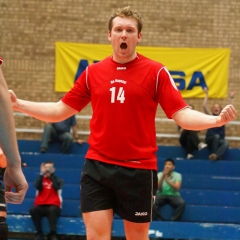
(14, 99)
(14, 178)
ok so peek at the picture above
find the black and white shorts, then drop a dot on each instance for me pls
(129, 192)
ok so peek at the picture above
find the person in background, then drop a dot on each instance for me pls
(48, 200)
(169, 184)
(215, 137)
(60, 131)
(189, 140)
(9, 158)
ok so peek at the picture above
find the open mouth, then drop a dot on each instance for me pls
(123, 46)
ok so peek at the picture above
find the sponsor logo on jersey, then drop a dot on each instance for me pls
(141, 214)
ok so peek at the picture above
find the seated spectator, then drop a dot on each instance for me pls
(48, 200)
(60, 131)
(215, 137)
(189, 140)
(169, 184)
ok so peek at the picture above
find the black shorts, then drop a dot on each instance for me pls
(2, 199)
(129, 192)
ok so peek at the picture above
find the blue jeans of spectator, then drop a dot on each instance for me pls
(50, 134)
(176, 202)
(217, 145)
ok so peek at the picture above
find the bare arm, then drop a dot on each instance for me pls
(164, 174)
(194, 120)
(205, 100)
(45, 111)
(8, 140)
(13, 176)
(232, 97)
(160, 181)
(176, 186)
(75, 134)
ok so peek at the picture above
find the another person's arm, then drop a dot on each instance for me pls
(57, 182)
(175, 185)
(232, 97)
(161, 177)
(205, 100)
(75, 135)
(38, 182)
(160, 181)
(74, 130)
(13, 176)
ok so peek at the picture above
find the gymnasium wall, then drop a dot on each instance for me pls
(30, 28)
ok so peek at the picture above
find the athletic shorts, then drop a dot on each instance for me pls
(2, 199)
(129, 192)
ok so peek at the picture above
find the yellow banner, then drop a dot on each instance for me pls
(191, 68)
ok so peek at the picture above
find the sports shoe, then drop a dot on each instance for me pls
(212, 156)
(52, 236)
(201, 145)
(190, 156)
(43, 150)
(39, 236)
(1, 61)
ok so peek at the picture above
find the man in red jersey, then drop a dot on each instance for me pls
(13, 176)
(124, 89)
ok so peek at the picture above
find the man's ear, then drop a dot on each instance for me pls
(109, 36)
(139, 37)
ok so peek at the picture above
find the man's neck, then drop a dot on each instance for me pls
(123, 60)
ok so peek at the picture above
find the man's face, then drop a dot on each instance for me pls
(124, 37)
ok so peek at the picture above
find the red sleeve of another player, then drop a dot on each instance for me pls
(79, 96)
(168, 94)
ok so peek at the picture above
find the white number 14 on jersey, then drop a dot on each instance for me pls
(120, 95)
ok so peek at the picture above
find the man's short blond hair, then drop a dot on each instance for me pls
(128, 13)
